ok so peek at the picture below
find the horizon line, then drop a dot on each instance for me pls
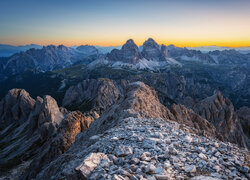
(89, 44)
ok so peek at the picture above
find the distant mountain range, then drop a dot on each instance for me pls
(150, 56)
(83, 62)
(8, 50)
(244, 50)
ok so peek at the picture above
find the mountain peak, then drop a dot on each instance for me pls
(129, 53)
(150, 40)
(153, 51)
(151, 43)
(130, 41)
(130, 44)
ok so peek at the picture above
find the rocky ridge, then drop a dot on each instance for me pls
(221, 125)
(134, 137)
(225, 57)
(149, 149)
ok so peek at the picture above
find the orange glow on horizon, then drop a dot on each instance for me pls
(232, 44)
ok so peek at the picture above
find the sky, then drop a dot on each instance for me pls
(111, 22)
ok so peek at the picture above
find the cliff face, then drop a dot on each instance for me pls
(200, 125)
(244, 116)
(36, 128)
(59, 142)
(220, 112)
(92, 94)
(152, 51)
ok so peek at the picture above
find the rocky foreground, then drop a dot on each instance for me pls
(126, 135)
(150, 149)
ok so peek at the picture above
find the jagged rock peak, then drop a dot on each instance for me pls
(53, 47)
(62, 47)
(15, 107)
(129, 53)
(150, 43)
(220, 112)
(130, 45)
(51, 112)
(130, 42)
(73, 124)
(218, 98)
(153, 51)
(45, 116)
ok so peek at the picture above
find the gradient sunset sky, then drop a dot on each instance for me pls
(112, 22)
